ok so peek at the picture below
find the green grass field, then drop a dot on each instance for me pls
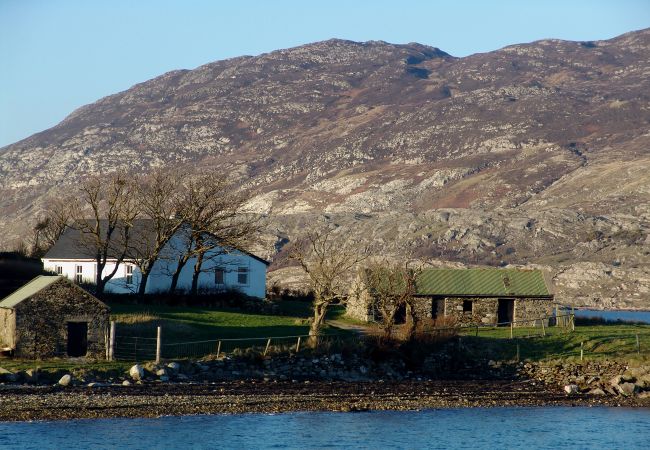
(192, 324)
(195, 323)
(614, 341)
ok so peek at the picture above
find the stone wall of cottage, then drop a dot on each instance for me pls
(423, 307)
(532, 308)
(483, 310)
(7, 328)
(359, 302)
(42, 321)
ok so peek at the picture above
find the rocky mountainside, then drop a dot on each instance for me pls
(536, 154)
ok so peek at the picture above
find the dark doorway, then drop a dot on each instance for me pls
(437, 308)
(506, 310)
(77, 338)
(400, 315)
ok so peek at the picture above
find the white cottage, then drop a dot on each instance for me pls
(222, 270)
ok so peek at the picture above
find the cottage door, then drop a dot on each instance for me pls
(77, 338)
(505, 311)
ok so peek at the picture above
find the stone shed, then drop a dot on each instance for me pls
(471, 296)
(51, 316)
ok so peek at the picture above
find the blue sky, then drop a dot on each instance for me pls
(58, 55)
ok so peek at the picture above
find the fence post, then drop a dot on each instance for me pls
(543, 329)
(511, 327)
(638, 345)
(218, 349)
(476, 330)
(111, 343)
(582, 344)
(268, 344)
(557, 316)
(573, 322)
(158, 346)
(298, 345)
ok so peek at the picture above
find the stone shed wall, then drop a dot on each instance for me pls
(7, 328)
(484, 310)
(532, 308)
(42, 321)
(358, 305)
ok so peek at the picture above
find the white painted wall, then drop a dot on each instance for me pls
(160, 277)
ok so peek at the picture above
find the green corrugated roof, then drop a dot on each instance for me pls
(482, 282)
(31, 288)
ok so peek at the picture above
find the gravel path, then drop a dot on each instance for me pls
(54, 403)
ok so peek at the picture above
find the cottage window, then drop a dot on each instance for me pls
(58, 270)
(79, 274)
(218, 275)
(242, 275)
(129, 274)
(467, 306)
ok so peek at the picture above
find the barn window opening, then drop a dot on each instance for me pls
(129, 274)
(58, 270)
(77, 339)
(467, 306)
(79, 274)
(218, 275)
(242, 275)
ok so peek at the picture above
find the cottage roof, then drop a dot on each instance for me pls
(482, 283)
(36, 285)
(70, 244)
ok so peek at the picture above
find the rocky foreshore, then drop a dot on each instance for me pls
(333, 383)
(254, 396)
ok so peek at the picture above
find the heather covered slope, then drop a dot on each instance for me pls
(533, 154)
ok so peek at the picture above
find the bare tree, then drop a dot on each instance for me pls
(410, 275)
(328, 260)
(214, 223)
(159, 201)
(50, 227)
(386, 284)
(106, 234)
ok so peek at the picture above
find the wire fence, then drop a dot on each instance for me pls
(132, 348)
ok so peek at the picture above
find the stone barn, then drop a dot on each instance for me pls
(52, 317)
(471, 296)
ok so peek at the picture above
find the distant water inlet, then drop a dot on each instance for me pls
(477, 428)
(614, 316)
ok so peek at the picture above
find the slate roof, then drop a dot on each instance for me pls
(36, 285)
(68, 246)
(482, 283)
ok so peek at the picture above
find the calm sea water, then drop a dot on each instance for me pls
(637, 316)
(512, 428)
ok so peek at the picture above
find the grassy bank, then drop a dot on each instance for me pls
(614, 341)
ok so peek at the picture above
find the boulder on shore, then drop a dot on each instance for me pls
(65, 380)
(571, 389)
(136, 372)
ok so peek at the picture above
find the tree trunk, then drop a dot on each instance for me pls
(320, 310)
(411, 322)
(179, 267)
(144, 276)
(388, 324)
(197, 272)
